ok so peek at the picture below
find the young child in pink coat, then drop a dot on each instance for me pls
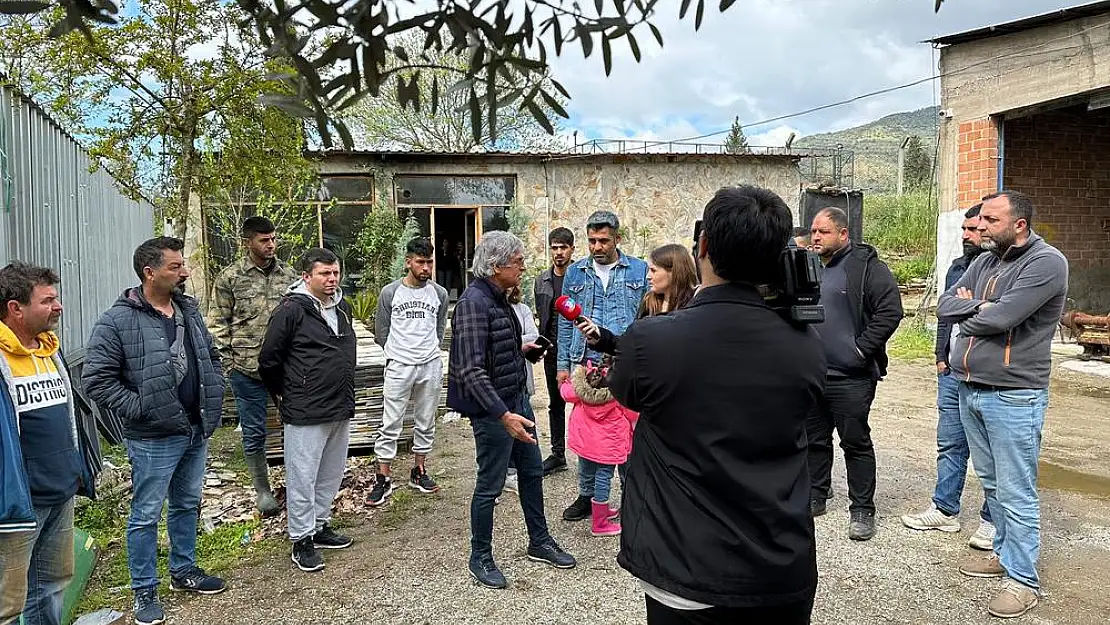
(600, 434)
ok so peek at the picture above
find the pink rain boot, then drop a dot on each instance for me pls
(614, 513)
(602, 525)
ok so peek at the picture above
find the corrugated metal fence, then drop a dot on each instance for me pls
(54, 213)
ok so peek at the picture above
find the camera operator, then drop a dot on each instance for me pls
(716, 511)
(862, 310)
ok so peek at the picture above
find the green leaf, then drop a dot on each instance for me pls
(635, 46)
(554, 105)
(700, 14)
(586, 38)
(599, 5)
(658, 35)
(725, 4)
(289, 104)
(538, 114)
(435, 94)
(683, 9)
(475, 117)
(558, 85)
(606, 54)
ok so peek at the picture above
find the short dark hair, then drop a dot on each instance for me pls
(835, 215)
(746, 229)
(317, 255)
(973, 212)
(19, 279)
(150, 253)
(1021, 205)
(420, 246)
(256, 225)
(561, 235)
(603, 219)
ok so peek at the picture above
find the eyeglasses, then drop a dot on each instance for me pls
(518, 263)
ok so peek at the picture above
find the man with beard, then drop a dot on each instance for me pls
(42, 450)
(952, 450)
(151, 360)
(1008, 305)
(307, 362)
(548, 287)
(609, 286)
(862, 311)
(409, 326)
(244, 295)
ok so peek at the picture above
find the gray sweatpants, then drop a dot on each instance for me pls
(314, 459)
(421, 383)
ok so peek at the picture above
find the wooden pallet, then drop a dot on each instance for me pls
(369, 379)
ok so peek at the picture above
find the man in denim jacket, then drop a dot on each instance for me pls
(609, 286)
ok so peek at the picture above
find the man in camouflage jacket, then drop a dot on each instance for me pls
(244, 295)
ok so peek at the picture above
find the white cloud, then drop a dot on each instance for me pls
(766, 58)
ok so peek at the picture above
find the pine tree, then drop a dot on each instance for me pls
(737, 143)
(919, 165)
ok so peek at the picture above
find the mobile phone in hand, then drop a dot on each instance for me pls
(533, 355)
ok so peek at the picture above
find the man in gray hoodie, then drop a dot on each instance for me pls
(1007, 304)
(307, 363)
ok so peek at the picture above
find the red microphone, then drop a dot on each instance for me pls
(569, 309)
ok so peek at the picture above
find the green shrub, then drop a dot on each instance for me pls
(901, 226)
(906, 270)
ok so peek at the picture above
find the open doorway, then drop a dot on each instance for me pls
(455, 237)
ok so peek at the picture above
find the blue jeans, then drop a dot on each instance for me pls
(494, 447)
(952, 450)
(251, 398)
(529, 414)
(35, 568)
(164, 468)
(1003, 429)
(594, 479)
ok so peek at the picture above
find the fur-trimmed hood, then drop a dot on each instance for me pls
(588, 394)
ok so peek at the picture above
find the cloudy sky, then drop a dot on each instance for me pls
(765, 58)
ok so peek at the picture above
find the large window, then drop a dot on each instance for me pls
(455, 190)
(354, 198)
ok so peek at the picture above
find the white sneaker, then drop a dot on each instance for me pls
(511, 483)
(983, 538)
(931, 519)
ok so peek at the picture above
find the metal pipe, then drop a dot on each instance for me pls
(1076, 320)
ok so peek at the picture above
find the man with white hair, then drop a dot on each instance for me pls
(486, 383)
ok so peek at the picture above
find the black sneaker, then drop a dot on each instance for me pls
(305, 555)
(421, 481)
(485, 571)
(817, 507)
(862, 526)
(553, 464)
(551, 553)
(383, 488)
(327, 538)
(196, 580)
(148, 609)
(578, 510)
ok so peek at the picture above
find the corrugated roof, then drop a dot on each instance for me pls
(661, 151)
(1045, 19)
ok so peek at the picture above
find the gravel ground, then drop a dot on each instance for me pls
(408, 563)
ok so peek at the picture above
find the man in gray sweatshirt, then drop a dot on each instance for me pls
(1007, 305)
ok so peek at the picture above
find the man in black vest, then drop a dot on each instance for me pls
(486, 383)
(862, 310)
(716, 522)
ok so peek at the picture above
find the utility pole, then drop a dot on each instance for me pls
(902, 166)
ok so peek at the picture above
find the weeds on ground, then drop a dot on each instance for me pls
(229, 546)
(904, 231)
(912, 341)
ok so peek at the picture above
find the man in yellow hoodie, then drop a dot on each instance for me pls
(36, 549)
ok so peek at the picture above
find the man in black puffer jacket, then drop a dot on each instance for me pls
(307, 362)
(151, 360)
(486, 383)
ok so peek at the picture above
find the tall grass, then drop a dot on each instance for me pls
(904, 231)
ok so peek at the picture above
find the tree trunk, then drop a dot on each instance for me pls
(187, 170)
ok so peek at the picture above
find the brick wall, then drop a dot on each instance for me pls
(977, 167)
(1062, 159)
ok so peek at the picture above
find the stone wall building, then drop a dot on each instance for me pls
(458, 196)
(1025, 106)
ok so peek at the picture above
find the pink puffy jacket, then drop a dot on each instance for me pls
(600, 428)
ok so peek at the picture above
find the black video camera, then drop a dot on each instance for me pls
(796, 293)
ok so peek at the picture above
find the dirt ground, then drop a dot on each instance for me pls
(408, 564)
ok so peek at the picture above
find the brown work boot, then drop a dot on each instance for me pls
(1014, 600)
(978, 566)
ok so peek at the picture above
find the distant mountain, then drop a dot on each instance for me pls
(875, 145)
